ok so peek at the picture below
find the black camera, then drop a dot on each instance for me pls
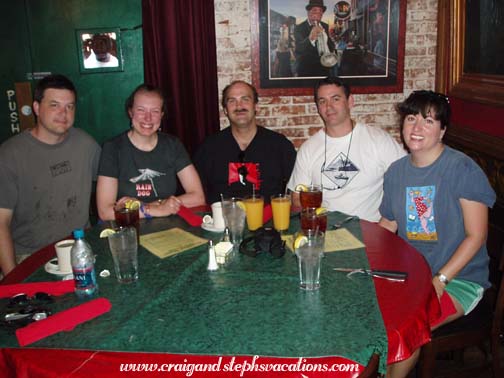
(265, 240)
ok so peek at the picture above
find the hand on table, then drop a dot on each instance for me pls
(165, 207)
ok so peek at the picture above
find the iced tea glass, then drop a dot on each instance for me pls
(310, 220)
(125, 217)
(312, 197)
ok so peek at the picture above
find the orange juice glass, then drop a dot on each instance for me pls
(280, 206)
(254, 205)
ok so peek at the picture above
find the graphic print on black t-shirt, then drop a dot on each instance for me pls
(244, 173)
(145, 189)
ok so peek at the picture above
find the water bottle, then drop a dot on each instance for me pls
(83, 266)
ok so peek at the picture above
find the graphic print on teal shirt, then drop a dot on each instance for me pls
(420, 216)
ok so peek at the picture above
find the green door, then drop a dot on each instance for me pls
(40, 37)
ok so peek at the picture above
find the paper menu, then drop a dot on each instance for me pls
(171, 242)
(335, 241)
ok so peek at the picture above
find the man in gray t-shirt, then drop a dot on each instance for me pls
(46, 175)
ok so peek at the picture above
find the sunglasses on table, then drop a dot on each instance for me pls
(20, 300)
(22, 309)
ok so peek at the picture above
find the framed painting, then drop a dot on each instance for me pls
(361, 41)
(471, 50)
(99, 50)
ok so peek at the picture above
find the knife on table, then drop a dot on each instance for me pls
(392, 275)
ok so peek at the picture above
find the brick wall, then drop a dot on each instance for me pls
(296, 116)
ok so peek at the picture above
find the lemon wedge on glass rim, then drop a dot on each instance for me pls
(300, 241)
(107, 232)
(241, 205)
(320, 210)
(301, 188)
(132, 204)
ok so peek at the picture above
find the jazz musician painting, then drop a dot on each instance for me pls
(313, 42)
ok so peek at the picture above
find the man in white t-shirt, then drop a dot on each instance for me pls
(347, 159)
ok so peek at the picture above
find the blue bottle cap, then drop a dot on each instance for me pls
(78, 233)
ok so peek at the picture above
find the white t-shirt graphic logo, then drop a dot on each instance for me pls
(340, 171)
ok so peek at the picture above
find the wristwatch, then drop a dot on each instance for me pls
(441, 277)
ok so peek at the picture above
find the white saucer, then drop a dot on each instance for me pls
(210, 227)
(52, 267)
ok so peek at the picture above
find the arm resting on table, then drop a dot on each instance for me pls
(7, 254)
(295, 199)
(106, 196)
(192, 197)
(191, 183)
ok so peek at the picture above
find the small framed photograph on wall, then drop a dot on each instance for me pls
(99, 50)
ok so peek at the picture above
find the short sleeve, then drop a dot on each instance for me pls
(109, 160)
(95, 160)
(301, 171)
(181, 156)
(8, 186)
(288, 156)
(473, 184)
(386, 204)
(390, 150)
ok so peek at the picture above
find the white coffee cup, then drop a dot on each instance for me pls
(63, 248)
(218, 218)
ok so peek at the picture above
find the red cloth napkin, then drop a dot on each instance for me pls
(51, 287)
(191, 218)
(62, 321)
(267, 214)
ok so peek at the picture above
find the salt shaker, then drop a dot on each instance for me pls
(212, 260)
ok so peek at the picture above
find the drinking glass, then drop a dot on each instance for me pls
(124, 249)
(312, 197)
(280, 206)
(125, 217)
(309, 254)
(255, 207)
(310, 220)
(233, 210)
